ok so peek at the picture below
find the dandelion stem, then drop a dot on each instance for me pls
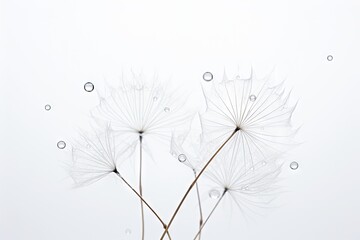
(143, 200)
(200, 208)
(212, 211)
(195, 181)
(140, 192)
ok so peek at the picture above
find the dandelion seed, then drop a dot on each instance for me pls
(94, 157)
(247, 186)
(262, 120)
(137, 108)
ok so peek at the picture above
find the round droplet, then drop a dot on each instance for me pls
(182, 158)
(207, 76)
(128, 231)
(252, 98)
(89, 87)
(294, 165)
(61, 144)
(329, 57)
(155, 98)
(238, 77)
(47, 107)
(166, 109)
(214, 194)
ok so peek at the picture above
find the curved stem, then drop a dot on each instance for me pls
(194, 182)
(143, 200)
(212, 211)
(200, 208)
(140, 192)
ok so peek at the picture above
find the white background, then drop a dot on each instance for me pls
(49, 49)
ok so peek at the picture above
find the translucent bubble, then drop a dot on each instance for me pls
(47, 107)
(89, 87)
(207, 76)
(252, 98)
(155, 98)
(128, 231)
(182, 158)
(214, 194)
(61, 144)
(330, 57)
(294, 165)
(166, 109)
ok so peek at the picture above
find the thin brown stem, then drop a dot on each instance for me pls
(212, 211)
(140, 192)
(195, 180)
(143, 200)
(200, 208)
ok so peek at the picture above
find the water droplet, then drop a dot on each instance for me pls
(252, 98)
(61, 144)
(329, 57)
(214, 194)
(238, 77)
(89, 87)
(166, 109)
(47, 107)
(128, 231)
(207, 76)
(294, 165)
(155, 98)
(182, 158)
